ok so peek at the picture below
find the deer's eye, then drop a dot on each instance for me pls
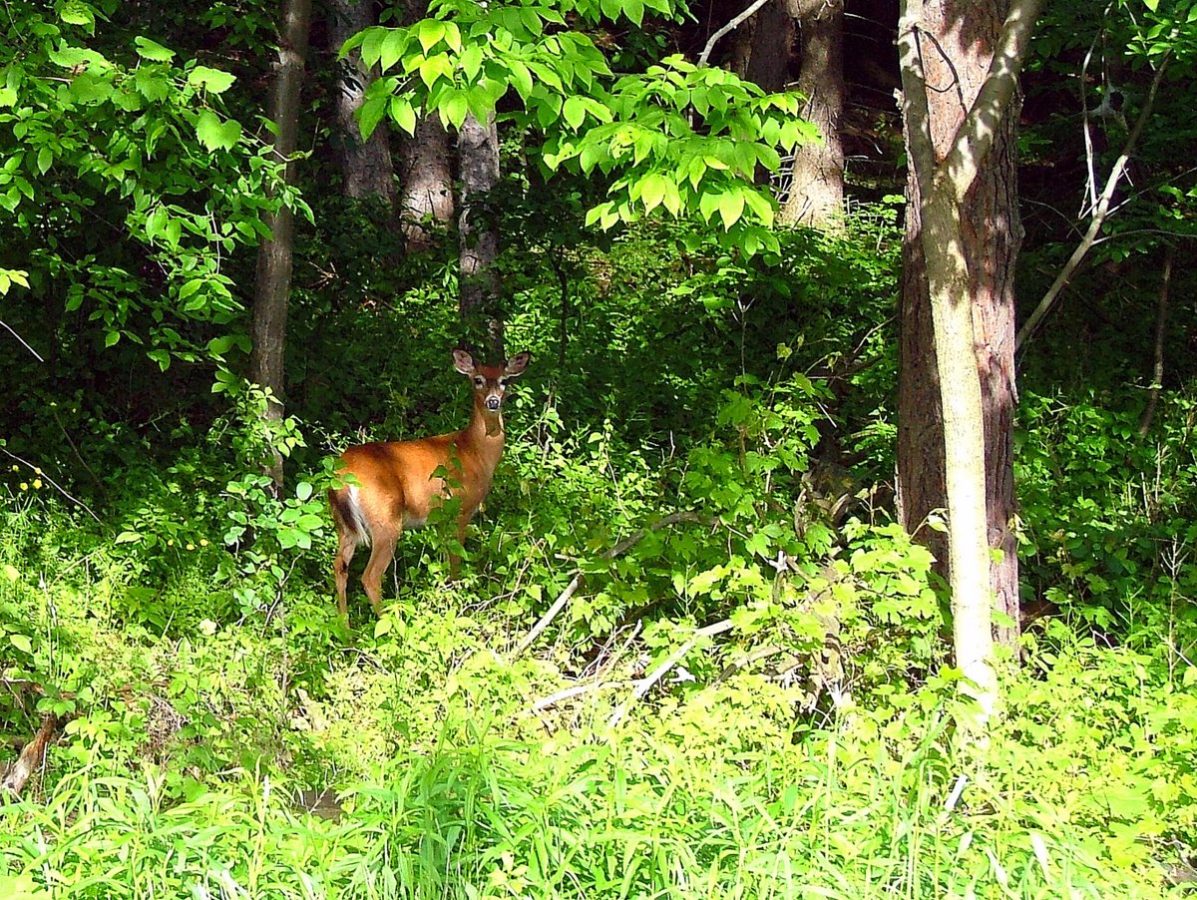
(502, 382)
(478, 382)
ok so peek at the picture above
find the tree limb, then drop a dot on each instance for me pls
(644, 685)
(1099, 216)
(980, 126)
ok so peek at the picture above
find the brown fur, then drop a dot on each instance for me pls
(396, 488)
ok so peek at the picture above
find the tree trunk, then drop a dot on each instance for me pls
(762, 47)
(366, 165)
(989, 236)
(425, 172)
(269, 329)
(478, 156)
(957, 186)
(816, 195)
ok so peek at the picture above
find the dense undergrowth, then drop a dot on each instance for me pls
(748, 699)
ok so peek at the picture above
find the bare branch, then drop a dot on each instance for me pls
(1099, 215)
(618, 550)
(730, 26)
(644, 685)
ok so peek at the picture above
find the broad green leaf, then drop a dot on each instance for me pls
(574, 111)
(470, 61)
(454, 108)
(214, 134)
(403, 114)
(391, 49)
(370, 114)
(21, 642)
(151, 50)
(212, 80)
(430, 32)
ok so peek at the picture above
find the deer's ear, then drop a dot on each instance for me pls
(463, 362)
(516, 365)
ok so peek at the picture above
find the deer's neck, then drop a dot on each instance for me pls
(484, 437)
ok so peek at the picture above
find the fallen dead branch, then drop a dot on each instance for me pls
(644, 685)
(31, 757)
(618, 550)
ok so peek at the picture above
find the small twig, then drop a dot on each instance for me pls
(53, 483)
(1157, 374)
(645, 684)
(22, 341)
(576, 690)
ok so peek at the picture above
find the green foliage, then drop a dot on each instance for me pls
(688, 139)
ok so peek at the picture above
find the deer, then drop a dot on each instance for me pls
(396, 484)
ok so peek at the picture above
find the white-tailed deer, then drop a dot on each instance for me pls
(398, 483)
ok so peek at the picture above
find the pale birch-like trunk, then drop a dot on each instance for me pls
(943, 175)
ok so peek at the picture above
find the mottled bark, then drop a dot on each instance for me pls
(273, 285)
(425, 171)
(816, 195)
(478, 157)
(365, 165)
(953, 43)
(426, 183)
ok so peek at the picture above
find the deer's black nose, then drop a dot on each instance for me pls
(492, 403)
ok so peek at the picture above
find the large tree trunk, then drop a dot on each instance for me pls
(989, 238)
(366, 165)
(816, 195)
(956, 188)
(425, 171)
(269, 329)
(478, 157)
(762, 47)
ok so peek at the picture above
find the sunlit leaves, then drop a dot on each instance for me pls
(215, 134)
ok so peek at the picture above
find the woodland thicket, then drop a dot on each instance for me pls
(843, 543)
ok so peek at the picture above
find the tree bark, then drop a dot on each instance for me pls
(425, 172)
(478, 156)
(365, 165)
(816, 195)
(959, 79)
(956, 56)
(762, 47)
(269, 328)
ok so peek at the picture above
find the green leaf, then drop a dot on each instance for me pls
(150, 50)
(391, 49)
(370, 114)
(21, 642)
(521, 78)
(430, 33)
(470, 61)
(45, 157)
(212, 80)
(214, 134)
(403, 114)
(74, 13)
(303, 490)
(574, 111)
(454, 108)
(731, 206)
